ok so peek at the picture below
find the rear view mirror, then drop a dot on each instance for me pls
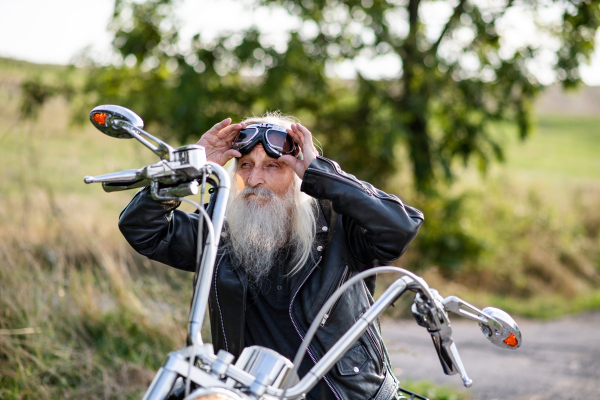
(496, 325)
(109, 120)
(122, 123)
(509, 337)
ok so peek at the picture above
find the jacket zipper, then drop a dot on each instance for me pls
(219, 303)
(312, 357)
(370, 334)
(376, 344)
(340, 283)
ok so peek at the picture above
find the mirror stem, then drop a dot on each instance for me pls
(161, 149)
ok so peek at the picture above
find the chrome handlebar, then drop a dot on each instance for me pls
(176, 178)
(430, 310)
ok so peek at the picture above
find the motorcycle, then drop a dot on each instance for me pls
(196, 372)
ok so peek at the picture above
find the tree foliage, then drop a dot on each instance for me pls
(456, 77)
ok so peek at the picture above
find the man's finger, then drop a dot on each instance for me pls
(295, 136)
(299, 135)
(305, 133)
(231, 133)
(291, 161)
(218, 126)
(230, 128)
(229, 154)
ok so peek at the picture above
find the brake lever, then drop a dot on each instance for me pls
(429, 312)
(449, 357)
(173, 192)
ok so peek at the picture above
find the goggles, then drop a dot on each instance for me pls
(274, 139)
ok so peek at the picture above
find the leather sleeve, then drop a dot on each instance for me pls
(160, 232)
(378, 225)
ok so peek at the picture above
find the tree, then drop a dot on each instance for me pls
(455, 81)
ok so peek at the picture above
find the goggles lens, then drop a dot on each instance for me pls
(245, 136)
(280, 141)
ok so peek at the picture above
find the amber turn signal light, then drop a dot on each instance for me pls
(99, 118)
(511, 340)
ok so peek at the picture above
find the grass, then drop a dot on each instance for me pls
(99, 319)
(432, 391)
(546, 307)
(562, 148)
(81, 315)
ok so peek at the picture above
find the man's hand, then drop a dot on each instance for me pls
(303, 138)
(218, 139)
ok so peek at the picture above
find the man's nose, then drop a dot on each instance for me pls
(257, 176)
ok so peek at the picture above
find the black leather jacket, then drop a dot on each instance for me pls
(358, 227)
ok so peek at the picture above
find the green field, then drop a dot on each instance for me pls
(561, 149)
(560, 155)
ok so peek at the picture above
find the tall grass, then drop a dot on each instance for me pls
(81, 315)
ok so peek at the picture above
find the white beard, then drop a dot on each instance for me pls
(258, 226)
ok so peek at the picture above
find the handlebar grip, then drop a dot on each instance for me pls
(115, 177)
(121, 180)
(119, 186)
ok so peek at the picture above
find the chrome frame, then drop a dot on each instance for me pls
(201, 294)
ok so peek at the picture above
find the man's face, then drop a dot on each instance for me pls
(257, 169)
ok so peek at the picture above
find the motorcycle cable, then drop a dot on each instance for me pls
(416, 280)
(210, 240)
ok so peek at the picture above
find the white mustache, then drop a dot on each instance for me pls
(257, 191)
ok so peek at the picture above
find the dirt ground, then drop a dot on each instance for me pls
(558, 359)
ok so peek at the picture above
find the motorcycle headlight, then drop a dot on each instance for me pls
(212, 394)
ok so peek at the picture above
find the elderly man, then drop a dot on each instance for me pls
(297, 227)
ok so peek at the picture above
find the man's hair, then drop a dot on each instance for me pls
(272, 117)
(304, 223)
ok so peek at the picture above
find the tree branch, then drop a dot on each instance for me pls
(413, 19)
(458, 10)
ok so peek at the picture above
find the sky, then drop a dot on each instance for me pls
(53, 32)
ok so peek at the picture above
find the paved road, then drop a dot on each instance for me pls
(557, 360)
